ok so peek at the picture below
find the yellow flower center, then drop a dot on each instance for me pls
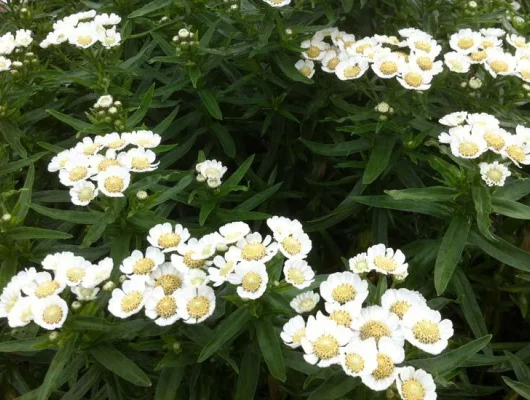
(75, 274)
(11, 303)
(520, 42)
(499, 66)
(468, 149)
(516, 153)
(298, 335)
(114, 184)
(78, 173)
(191, 263)
(169, 283)
(131, 301)
(494, 175)
(385, 263)
(253, 251)
(198, 307)
(341, 317)
(251, 282)
(116, 144)
(144, 142)
(423, 45)
(426, 332)
(332, 63)
(343, 293)
(227, 268)
(52, 314)
(400, 308)
(352, 71)
(354, 363)
(106, 163)
(385, 367)
(465, 43)
(307, 305)
(46, 289)
(140, 163)
(412, 390)
(91, 149)
(84, 40)
(143, 266)
(305, 70)
(326, 347)
(493, 140)
(487, 43)
(167, 240)
(292, 245)
(413, 79)
(85, 194)
(425, 63)
(525, 73)
(295, 276)
(375, 329)
(166, 307)
(388, 68)
(479, 56)
(363, 47)
(313, 52)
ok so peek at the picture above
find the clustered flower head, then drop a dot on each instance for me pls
(185, 38)
(277, 3)
(10, 44)
(211, 172)
(367, 341)
(35, 296)
(487, 48)
(411, 59)
(479, 135)
(104, 164)
(108, 110)
(85, 29)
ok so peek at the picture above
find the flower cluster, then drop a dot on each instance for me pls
(369, 342)
(277, 3)
(35, 296)
(85, 29)
(184, 39)
(486, 47)
(10, 44)
(411, 59)
(111, 171)
(106, 109)
(474, 135)
(211, 172)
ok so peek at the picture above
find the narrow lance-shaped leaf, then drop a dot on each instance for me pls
(270, 348)
(379, 157)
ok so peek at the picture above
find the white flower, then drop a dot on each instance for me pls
(389, 354)
(377, 322)
(523, 69)
(251, 278)
(138, 160)
(392, 40)
(306, 68)
(50, 313)
(107, 20)
(207, 246)
(414, 78)
(114, 181)
(145, 139)
(85, 294)
(5, 64)
(401, 301)
(425, 329)
(9, 298)
(105, 102)
(293, 332)
(496, 32)
(466, 144)
(361, 47)
(316, 50)
(490, 41)
(89, 146)
(233, 232)
(517, 41)
(166, 237)
(343, 314)
(465, 41)
(53, 261)
(83, 16)
(196, 278)
(277, 3)
(161, 307)
(386, 261)
(139, 265)
(76, 170)
(282, 226)
(457, 62)
(224, 266)
(254, 247)
(305, 302)
(194, 305)
(21, 313)
(295, 245)
(190, 256)
(331, 60)
(43, 286)
(100, 162)
(359, 358)
(344, 287)
(454, 119)
(426, 62)
(110, 38)
(359, 264)
(482, 120)
(523, 132)
(517, 149)
(351, 68)
(167, 277)
(423, 42)
(298, 273)
(211, 171)
(415, 384)
(495, 137)
(475, 83)
(96, 274)
(128, 300)
(343, 40)
(408, 32)
(388, 65)
(114, 141)
(83, 192)
(499, 63)
(84, 35)
(61, 160)
(72, 271)
(323, 341)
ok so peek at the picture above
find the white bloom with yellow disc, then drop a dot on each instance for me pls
(233, 232)
(167, 237)
(21, 313)
(351, 68)
(223, 267)
(161, 307)
(43, 285)
(386, 261)
(315, 49)
(295, 245)
(495, 137)
(138, 160)
(344, 287)
(254, 247)
(384, 375)
(282, 226)
(305, 302)
(414, 78)
(139, 265)
(194, 305)
(298, 273)
(457, 62)
(130, 299)
(293, 331)
(359, 264)
(401, 301)
(415, 384)
(73, 271)
(83, 192)
(189, 256)
(306, 68)
(425, 329)
(359, 358)
(421, 41)
(465, 41)
(331, 60)
(166, 276)
(98, 273)
(77, 169)
(251, 279)
(426, 62)
(196, 278)
(465, 144)
(500, 63)
(517, 149)
(114, 181)
(114, 141)
(50, 313)
(388, 66)
(145, 139)
(453, 119)
(8, 299)
(377, 322)
(60, 161)
(343, 314)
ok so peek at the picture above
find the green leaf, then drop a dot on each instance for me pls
(270, 348)
(169, 193)
(510, 208)
(502, 250)
(290, 71)
(433, 193)
(139, 114)
(24, 200)
(206, 210)
(23, 345)
(450, 252)
(522, 372)
(210, 102)
(149, 8)
(17, 165)
(166, 122)
(23, 232)
(57, 365)
(77, 217)
(337, 149)
(236, 177)
(335, 387)
(247, 381)
(77, 124)
(258, 198)
(194, 73)
(482, 199)
(347, 5)
(12, 135)
(83, 385)
(521, 388)
(164, 44)
(417, 206)
(225, 331)
(379, 158)
(451, 359)
(117, 363)
(224, 137)
(169, 382)
(514, 190)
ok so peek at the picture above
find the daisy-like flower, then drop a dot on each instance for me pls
(454, 119)
(114, 181)
(223, 267)
(196, 278)
(166, 237)
(233, 232)
(359, 264)
(362, 46)
(72, 272)
(82, 193)
(500, 63)
(490, 41)
(298, 273)
(109, 38)
(426, 62)
(344, 314)
(101, 163)
(211, 171)
(128, 300)
(408, 32)
(377, 322)
(306, 68)
(23, 37)
(466, 144)
(388, 66)
(517, 150)
(195, 304)
(392, 40)
(60, 161)
(161, 307)
(97, 273)
(519, 42)
(331, 60)
(167, 277)
(351, 68)
(496, 32)
(465, 41)
(482, 120)
(386, 261)
(344, 287)
(457, 62)
(138, 160)
(401, 301)
(523, 69)
(5, 64)
(189, 256)
(323, 341)
(282, 226)
(254, 247)
(114, 140)
(43, 285)
(277, 3)
(107, 19)
(139, 265)
(207, 246)
(305, 302)
(50, 313)
(85, 294)
(415, 384)
(359, 358)
(389, 353)
(315, 50)
(523, 132)
(414, 78)
(495, 137)
(84, 35)
(295, 245)
(343, 41)
(105, 102)
(9, 298)
(293, 332)
(425, 329)
(145, 139)
(76, 170)
(251, 278)
(21, 314)
(421, 41)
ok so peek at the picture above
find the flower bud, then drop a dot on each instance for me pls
(76, 305)
(184, 33)
(53, 336)
(141, 195)
(475, 83)
(109, 286)
(177, 347)
(113, 110)
(6, 217)
(123, 278)
(289, 31)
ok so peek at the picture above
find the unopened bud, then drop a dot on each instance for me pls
(76, 305)
(109, 286)
(141, 195)
(177, 347)
(53, 336)
(6, 217)
(123, 278)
